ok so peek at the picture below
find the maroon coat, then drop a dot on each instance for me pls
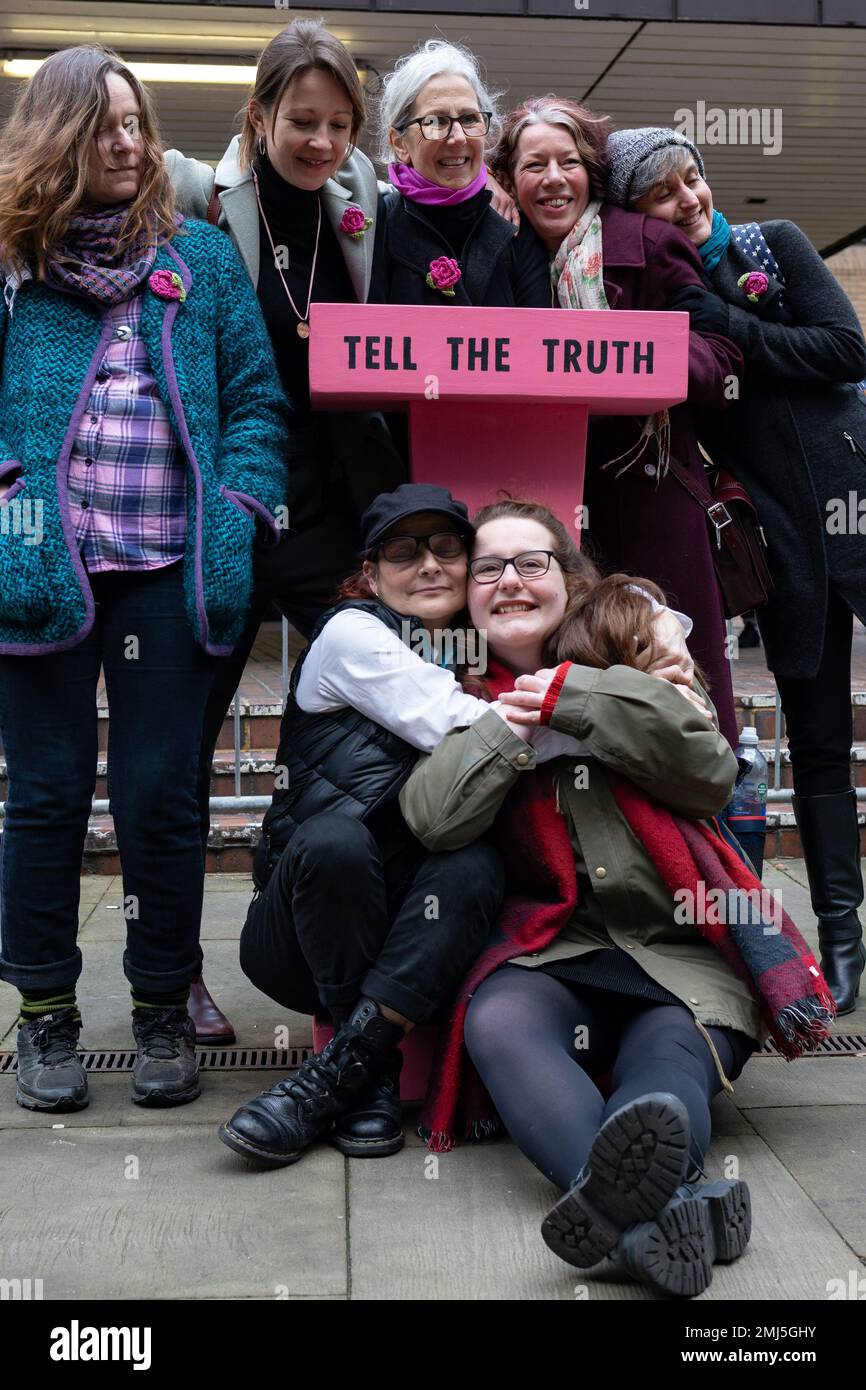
(635, 522)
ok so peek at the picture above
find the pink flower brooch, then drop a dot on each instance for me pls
(753, 284)
(355, 222)
(443, 275)
(167, 284)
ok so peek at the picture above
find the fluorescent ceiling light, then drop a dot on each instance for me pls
(219, 74)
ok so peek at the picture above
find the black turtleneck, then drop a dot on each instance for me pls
(454, 222)
(292, 215)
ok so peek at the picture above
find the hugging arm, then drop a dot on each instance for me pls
(643, 727)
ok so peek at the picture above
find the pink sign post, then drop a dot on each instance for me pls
(498, 398)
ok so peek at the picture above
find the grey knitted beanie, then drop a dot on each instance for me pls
(627, 149)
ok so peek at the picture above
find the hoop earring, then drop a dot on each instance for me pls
(261, 147)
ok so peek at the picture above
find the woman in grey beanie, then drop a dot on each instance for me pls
(797, 439)
(552, 157)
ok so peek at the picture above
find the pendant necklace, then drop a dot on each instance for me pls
(302, 328)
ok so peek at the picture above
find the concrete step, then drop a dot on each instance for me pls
(256, 768)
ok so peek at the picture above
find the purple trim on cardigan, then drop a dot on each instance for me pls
(43, 648)
(177, 405)
(247, 504)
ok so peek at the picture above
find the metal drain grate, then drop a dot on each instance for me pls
(837, 1045)
(209, 1059)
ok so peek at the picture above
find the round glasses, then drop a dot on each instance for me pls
(444, 545)
(437, 127)
(532, 564)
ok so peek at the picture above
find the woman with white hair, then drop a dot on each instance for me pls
(442, 242)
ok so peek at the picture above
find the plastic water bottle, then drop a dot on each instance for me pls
(747, 812)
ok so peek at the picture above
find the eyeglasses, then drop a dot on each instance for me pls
(444, 545)
(532, 564)
(436, 127)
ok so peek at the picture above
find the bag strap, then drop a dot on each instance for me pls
(716, 512)
(213, 207)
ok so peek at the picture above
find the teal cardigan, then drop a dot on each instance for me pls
(213, 364)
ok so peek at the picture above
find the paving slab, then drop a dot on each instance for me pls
(103, 996)
(225, 911)
(824, 1150)
(197, 1222)
(472, 1232)
(771, 1081)
(111, 1106)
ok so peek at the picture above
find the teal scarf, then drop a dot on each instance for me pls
(716, 243)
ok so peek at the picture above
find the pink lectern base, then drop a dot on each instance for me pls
(418, 1048)
(481, 450)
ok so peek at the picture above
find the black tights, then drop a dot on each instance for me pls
(537, 1041)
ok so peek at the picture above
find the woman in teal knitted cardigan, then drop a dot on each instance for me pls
(142, 443)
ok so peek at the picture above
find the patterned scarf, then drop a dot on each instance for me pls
(768, 954)
(577, 272)
(577, 276)
(88, 261)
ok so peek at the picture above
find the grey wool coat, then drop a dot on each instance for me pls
(796, 438)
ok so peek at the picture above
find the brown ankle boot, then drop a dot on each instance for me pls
(211, 1025)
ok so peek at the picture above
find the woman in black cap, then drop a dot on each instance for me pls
(351, 914)
(797, 438)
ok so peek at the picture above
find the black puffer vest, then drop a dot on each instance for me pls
(340, 761)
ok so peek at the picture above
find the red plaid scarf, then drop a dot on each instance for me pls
(541, 896)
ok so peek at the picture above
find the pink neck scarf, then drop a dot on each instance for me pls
(420, 190)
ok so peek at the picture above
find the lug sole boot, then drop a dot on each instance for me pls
(702, 1225)
(831, 847)
(278, 1126)
(637, 1161)
(50, 1073)
(166, 1068)
(374, 1127)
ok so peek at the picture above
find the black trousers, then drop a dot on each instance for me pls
(817, 711)
(336, 922)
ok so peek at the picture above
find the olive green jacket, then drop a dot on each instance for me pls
(643, 728)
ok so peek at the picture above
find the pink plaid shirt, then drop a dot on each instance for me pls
(127, 471)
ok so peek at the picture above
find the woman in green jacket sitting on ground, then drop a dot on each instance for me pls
(608, 959)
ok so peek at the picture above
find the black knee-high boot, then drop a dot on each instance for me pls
(831, 847)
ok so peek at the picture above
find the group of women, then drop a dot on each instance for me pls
(496, 850)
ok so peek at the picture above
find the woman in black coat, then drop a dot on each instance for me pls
(441, 242)
(797, 440)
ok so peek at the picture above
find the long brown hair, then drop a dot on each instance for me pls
(588, 130)
(304, 45)
(605, 622)
(46, 145)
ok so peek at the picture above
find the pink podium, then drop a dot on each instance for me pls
(498, 399)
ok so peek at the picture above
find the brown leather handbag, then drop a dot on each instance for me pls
(737, 540)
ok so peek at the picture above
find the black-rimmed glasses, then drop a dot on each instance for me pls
(401, 550)
(531, 564)
(438, 127)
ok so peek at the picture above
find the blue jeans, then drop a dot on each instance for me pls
(157, 679)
